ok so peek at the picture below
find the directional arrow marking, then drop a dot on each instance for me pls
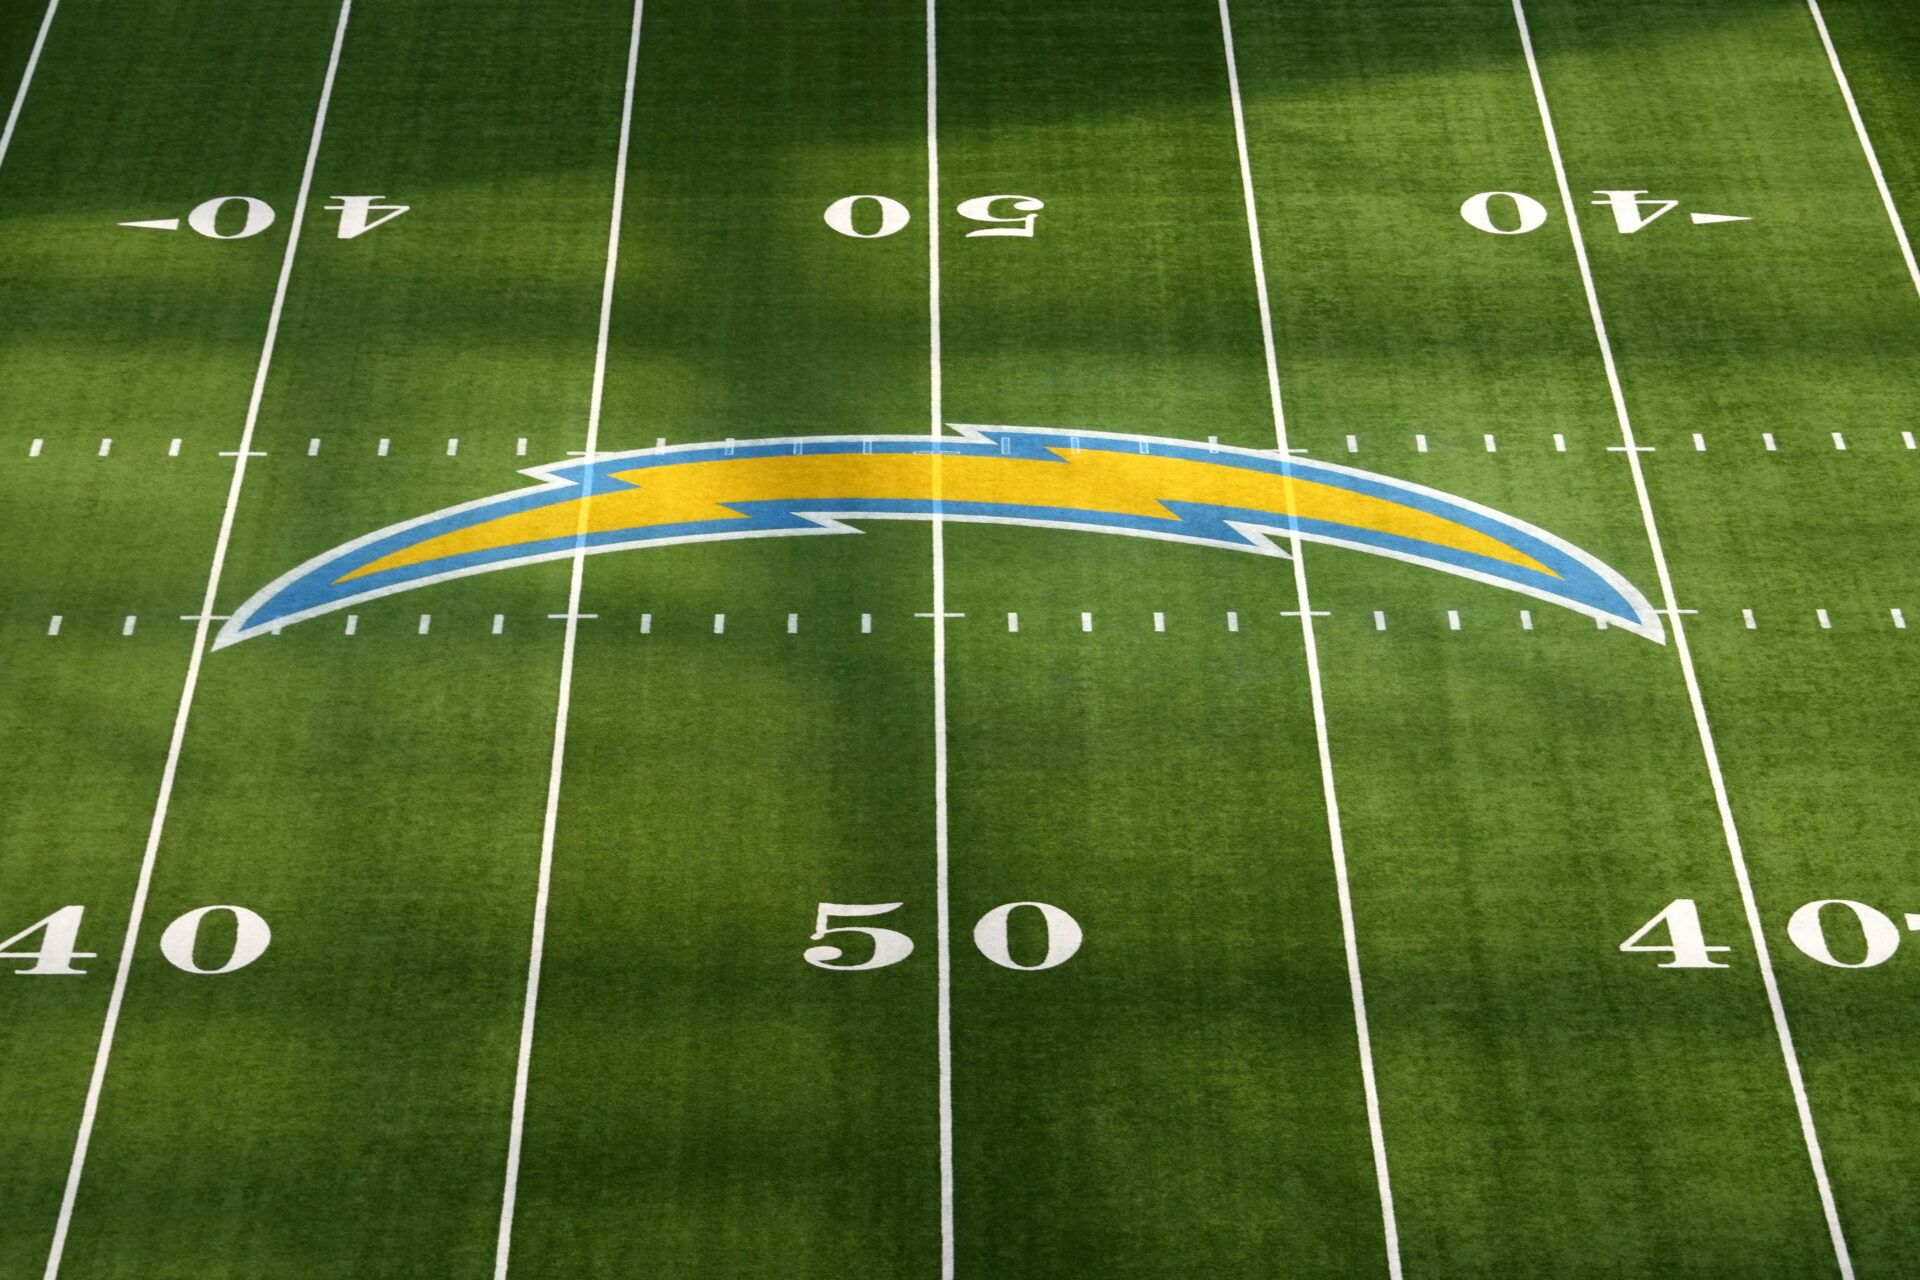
(157, 224)
(1702, 219)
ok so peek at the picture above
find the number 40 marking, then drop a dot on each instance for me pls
(1806, 929)
(60, 943)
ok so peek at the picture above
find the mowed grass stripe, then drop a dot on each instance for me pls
(1510, 793)
(1814, 743)
(87, 728)
(702, 1100)
(1184, 1094)
(340, 1107)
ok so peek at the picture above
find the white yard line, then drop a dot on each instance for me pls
(942, 921)
(1676, 621)
(1335, 835)
(516, 1129)
(1866, 144)
(26, 81)
(202, 624)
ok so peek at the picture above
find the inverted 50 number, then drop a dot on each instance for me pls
(890, 946)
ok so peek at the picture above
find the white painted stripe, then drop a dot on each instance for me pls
(1746, 616)
(385, 444)
(453, 445)
(53, 625)
(33, 450)
(1866, 144)
(520, 447)
(1233, 621)
(1526, 619)
(173, 447)
(1559, 442)
(1379, 620)
(1789, 1056)
(313, 447)
(1839, 442)
(646, 624)
(1899, 619)
(26, 80)
(106, 445)
(1336, 838)
(1906, 438)
(1491, 446)
(1353, 444)
(426, 623)
(536, 954)
(1826, 623)
(1453, 619)
(143, 884)
(793, 624)
(126, 628)
(1159, 622)
(1699, 442)
(1013, 622)
(1086, 622)
(499, 623)
(1420, 443)
(353, 624)
(719, 624)
(866, 624)
(942, 905)
(1766, 438)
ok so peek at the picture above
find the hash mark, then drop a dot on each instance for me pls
(499, 623)
(426, 621)
(1746, 616)
(1013, 622)
(646, 624)
(353, 623)
(1766, 438)
(1159, 622)
(1699, 443)
(173, 447)
(793, 624)
(866, 624)
(520, 447)
(1907, 437)
(453, 445)
(1379, 620)
(719, 624)
(1353, 444)
(1086, 622)
(1526, 619)
(1913, 923)
(385, 444)
(1420, 443)
(1826, 624)
(33, 450)
(1453, 619)
(1839, 442)
(1491, 447)
(53, 627)
(1233, 621)
(1899, 620)
(126, 628)
(1559, 443)
(313, 447)
(106, 445)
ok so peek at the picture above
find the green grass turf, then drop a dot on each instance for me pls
(1182, 1098)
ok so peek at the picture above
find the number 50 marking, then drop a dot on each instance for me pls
(890, 946)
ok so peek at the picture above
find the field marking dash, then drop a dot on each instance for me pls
(1420, 443)
(719, 624)
(126, 628)
(53, 625)
(1746, 617)
(866, 624)
(1559, 442)
(1913, 922)
(1491, 446)
(1233, 621)
(1086, 622)
(646, 624)
(1699, 442)
(1379, 620)
(556, 765)
(33, 450)
(173, 447)
(1766, 438)
(793, 624)
(353, 624)
(1526, 619)
(499, 623)
(1159, 622)
(426, 623)
(1866, 144)
(1899, 619)
(313, 447)
(1353, 444)
(106, 445)
(1839, 442)
(116, 997)
(1013, 622)
(384, 446)
(453, 446)
(1906, 438)
(1826, 623)
(1363, 1036)
(520, 447)
(26, 80)
(1709, 751)
(1453, 619)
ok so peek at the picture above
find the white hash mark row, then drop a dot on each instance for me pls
(1157, 621)
(383, 447)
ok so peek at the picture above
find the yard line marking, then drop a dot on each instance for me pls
(1899, 620)
(942, 904)
(1336, 838)
(1353, 444)
(536, 951)
(1699, 443)
(1839, 442)
(1453, 619)
(313, 447)
(385, 444)
(646, 624)
(1708, 750)
(33, 450)
(1559, 442)
(426, 623)
(26, 80)
(1766, 438)
(90, 1109)
(1906, 438)
(1013, 622)
(173, 447)
(53, 625)
(453, 445)
(1866, 143)
(1379, 620)
(793, 624)
(499, 623)
(1086, 622)
(1826, 623)
(106, 445)
(126, 628)
(1233, 621)
(1526, 619)
(1746, 616)
(866, 624)
(353, 624)
(1491, 447)
(1159, 622)
(1420, 443)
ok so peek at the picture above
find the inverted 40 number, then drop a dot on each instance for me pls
(890, 946)
(1837, 932)
(244, 217)
(876, 217)
(59, 943)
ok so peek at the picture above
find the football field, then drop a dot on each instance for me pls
(968, 639)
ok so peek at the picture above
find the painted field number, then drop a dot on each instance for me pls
(1837, 932)
(990, 935)
(871, 217)
(59, 942)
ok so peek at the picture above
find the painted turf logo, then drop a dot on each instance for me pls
(1137, 486)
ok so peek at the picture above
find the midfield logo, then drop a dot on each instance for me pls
(1136, 486)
